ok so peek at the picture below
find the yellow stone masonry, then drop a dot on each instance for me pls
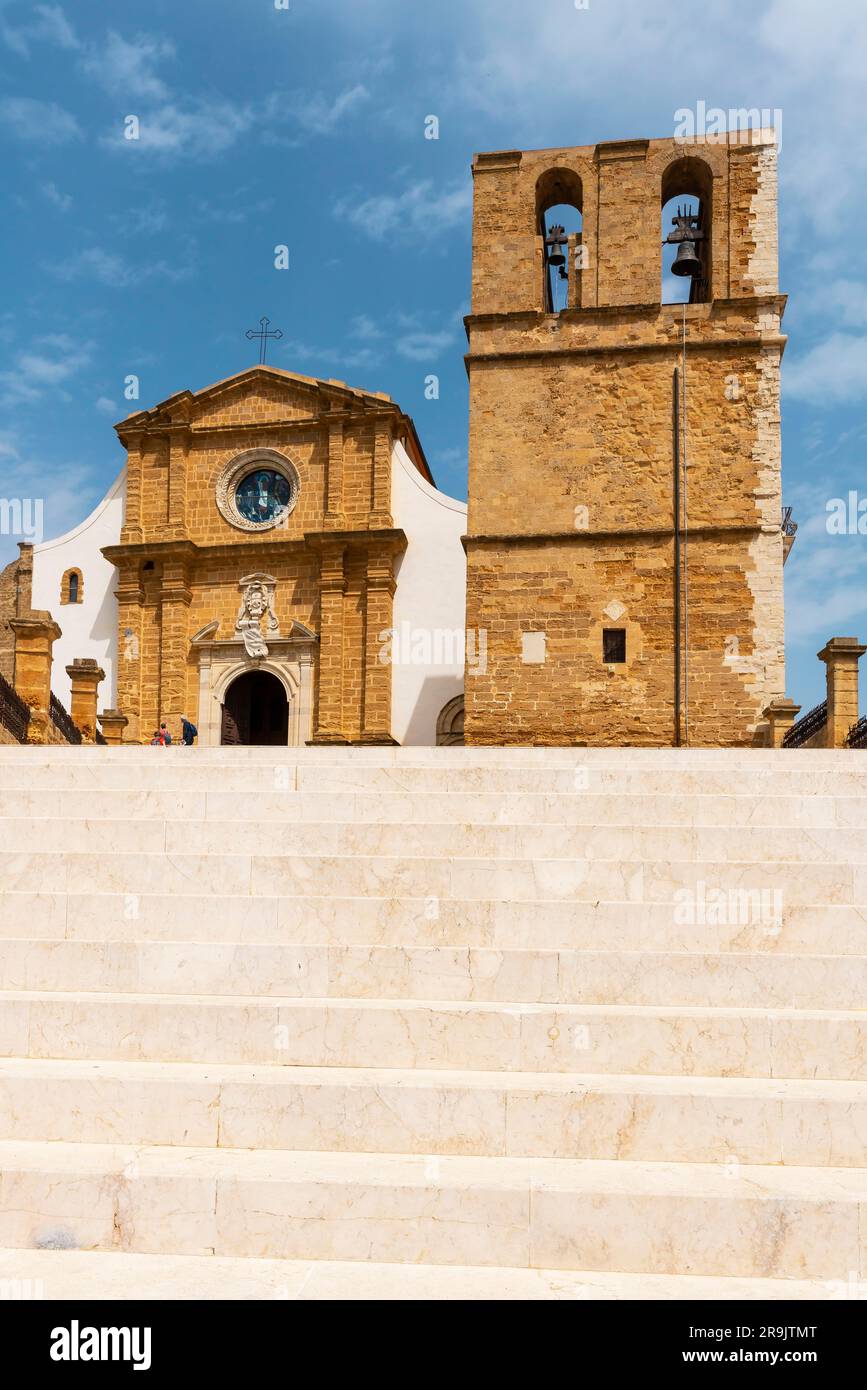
(571, 525)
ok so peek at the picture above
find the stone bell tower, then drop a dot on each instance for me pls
(624, 545)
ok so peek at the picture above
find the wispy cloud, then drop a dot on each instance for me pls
(203, 130)
(424, 347)
(832, 373)
(320, 115)
(110, 269)
(43, 368)
(364, 327)
(49, 25)
(421, 210)
(61, 200)
(128, 67)
(38, 122)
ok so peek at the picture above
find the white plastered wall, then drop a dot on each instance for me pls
(429, 603)
(90, 627)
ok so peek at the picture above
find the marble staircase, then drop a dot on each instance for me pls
(433, 1023)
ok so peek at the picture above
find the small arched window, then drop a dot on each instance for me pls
(686, 233)
(72, 587)
(559, 203)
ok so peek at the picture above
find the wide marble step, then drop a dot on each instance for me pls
(428, 840)
(654, 1218)
(608, 925)
(174, 771)
(570, 808)
(735, 980)
(272, 873)
(524, 1114)
(589, 1038)
(97, 1275)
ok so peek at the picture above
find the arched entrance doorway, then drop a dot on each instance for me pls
(256, 710)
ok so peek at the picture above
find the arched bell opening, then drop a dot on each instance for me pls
(686, 232)
(559, 204)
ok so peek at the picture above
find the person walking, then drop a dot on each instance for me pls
(189, 732)
(165, 736)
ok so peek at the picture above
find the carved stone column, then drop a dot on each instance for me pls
(35, 636)
(380, 587)
(334, 517)
(329, 707)
(380, 512)
(175, 599)
(85, 675)
(130, 643)
(841, 656)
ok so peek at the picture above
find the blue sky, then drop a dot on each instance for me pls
(305, 126)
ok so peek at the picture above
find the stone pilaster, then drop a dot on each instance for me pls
(329, 727)
(334, 516)
(178, 450)
(85, 675)
(175, 599)
(378, 616)
(130, 641)
(132, 518)
(841, 656)
(380, 513)
(35, 636)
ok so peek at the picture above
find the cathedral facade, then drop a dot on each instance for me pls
(275, 562)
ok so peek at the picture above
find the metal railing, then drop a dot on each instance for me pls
(14, 712)
(808, 727)
(858, 734)
(62, 721)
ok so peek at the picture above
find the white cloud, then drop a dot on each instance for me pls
(419, 211)
(127, 67)
(422, 347)
(204, 130)
(363, 326)
(110, 269)
(831, 373)
(50, 25)
(42, 369)
(106, 406)
(38, 122)
(61, 200)
(320, 116)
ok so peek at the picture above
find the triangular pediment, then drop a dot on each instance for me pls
(258, 394)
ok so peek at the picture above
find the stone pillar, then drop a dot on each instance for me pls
(130, 641)
(35, 636)
(113, 724)
(132, 518)
(781, 715)
(24, 579)
(380, 511)
(329, 708)
(178, 450)
(334, 517)
(380, 587)
(841, 656)
(175, 599)
(85, 675)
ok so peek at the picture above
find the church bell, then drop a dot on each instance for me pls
(554, 243)
(686, 262)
